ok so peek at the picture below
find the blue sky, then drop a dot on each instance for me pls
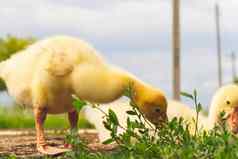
(136, 35)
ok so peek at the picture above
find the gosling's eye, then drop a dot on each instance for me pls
(228, 102)
(157, 110)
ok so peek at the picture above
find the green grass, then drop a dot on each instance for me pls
(18, 117)
(170, 141)
(173, 140)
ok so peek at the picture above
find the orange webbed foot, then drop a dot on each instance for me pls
(50, 150)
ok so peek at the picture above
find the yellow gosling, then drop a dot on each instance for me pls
(45, 75)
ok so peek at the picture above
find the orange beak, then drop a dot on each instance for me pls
(233, 120)
(163, 118)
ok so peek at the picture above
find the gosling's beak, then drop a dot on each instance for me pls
(233, 120)
(163, 118)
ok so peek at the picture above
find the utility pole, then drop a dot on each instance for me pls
(217, 19)
(176, 49)
(233, 60)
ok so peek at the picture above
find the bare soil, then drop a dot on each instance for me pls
(21, 143)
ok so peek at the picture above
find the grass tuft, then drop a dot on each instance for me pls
(172, 140)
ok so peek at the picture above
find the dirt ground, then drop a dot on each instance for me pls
(21, 143)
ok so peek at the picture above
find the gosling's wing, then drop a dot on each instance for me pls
(63, 53)
(59, 64)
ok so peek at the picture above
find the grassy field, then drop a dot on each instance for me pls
(18, 117)
(173, 140)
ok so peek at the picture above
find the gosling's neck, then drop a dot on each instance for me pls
(213, 116)
(209, 122)
(124, 79)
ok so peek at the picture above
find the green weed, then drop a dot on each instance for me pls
(172, 140)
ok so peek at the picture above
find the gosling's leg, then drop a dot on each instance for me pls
(40, 116)
(73, 121)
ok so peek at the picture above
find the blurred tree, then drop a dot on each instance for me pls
(9, 46)
(235, 80)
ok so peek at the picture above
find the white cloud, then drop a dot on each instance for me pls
(119, 24)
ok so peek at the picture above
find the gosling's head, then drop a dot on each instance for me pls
(226, 100)
(153, 104)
